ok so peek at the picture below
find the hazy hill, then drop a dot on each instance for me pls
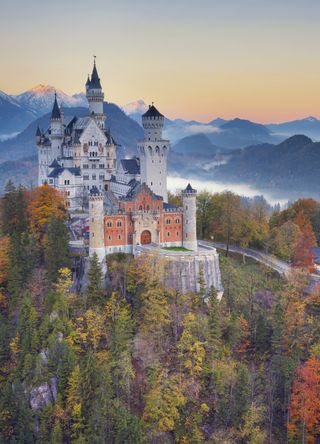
(196, 144)
(290, 168)
(13, 116)
(309, 126)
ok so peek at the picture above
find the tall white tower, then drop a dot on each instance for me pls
(56, 131)
(189, 202)
(95, 97)
(96, 225)
(153, 152)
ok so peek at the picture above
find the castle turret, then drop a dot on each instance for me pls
(95, 97)
(189, 197)
(153, 152)
(56, 131)
(96, 225)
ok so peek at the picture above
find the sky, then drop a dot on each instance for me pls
(196, 59)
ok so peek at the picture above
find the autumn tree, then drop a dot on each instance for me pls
(46, 203)
(303, 254)
(304, 424)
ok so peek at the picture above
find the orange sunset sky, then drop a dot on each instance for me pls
(195, 59)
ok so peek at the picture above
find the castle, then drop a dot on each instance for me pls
(127, 201)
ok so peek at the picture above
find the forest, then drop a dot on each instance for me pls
(136, 362)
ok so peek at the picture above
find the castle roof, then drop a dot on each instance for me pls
(38, 132)
(75, 171)
(139, 187)
(130, 166)
(94, 191)
(189, 189)
(152, 112)
(94, 82)
(55, 164)
(55, 114)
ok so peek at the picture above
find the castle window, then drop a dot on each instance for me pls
(119, 223)
(177, 233)
(101, 176)
(168, 233)
(85, 166)
(110, 237)
(94, 166)
(140, 207)
(109, 223)
(177, 221)
(101, 165)
(86, 177)
(67, 182)
(94, 177)
(168, 221)
(119, 237)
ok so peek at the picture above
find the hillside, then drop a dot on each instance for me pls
(13, 116)
(290, 168)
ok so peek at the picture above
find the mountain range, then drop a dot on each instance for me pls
(237, 150)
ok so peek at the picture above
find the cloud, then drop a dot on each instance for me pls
(204, 129)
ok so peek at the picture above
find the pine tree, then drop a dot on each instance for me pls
(242, 394)
(56, 251)
(214, 321)
(94, 291)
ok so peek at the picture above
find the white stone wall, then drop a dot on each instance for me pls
(98, 167)
(96, 227)
(189, 220)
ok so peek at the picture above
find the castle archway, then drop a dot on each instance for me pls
(145, 237)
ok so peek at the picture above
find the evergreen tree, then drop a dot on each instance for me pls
(242, 394)
(94, 289)
(56, 251)
(214, 321)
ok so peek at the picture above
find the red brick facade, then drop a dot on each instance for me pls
(124, 227)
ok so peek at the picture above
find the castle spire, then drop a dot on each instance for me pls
(55, 114)
(95, 80)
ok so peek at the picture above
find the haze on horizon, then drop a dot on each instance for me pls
(254, 59)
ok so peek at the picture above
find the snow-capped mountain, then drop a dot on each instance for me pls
(135, 109)
(40, 99)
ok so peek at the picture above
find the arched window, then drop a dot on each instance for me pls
(168, 221)
(168, 233)
(140, 207)
(177, 221)
(109, 224)
(119, 223)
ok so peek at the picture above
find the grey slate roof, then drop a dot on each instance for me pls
(95, 80)
(130, 166)
(75, 171)
(56, 114)
(152, 112)
(55, 164)
(189, 189)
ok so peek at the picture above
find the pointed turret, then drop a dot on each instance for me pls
(95, 97)
(55, 114)
(95, 80)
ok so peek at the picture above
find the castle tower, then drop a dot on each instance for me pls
(96, 225)
(95, 97)
(189, 197)
(153, 152)
(56, 131)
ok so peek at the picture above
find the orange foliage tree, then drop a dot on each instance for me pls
(303, 255)
(4, 259)
(46, 202)
(304, 423)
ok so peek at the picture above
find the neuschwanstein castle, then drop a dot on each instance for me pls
(126, 199)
